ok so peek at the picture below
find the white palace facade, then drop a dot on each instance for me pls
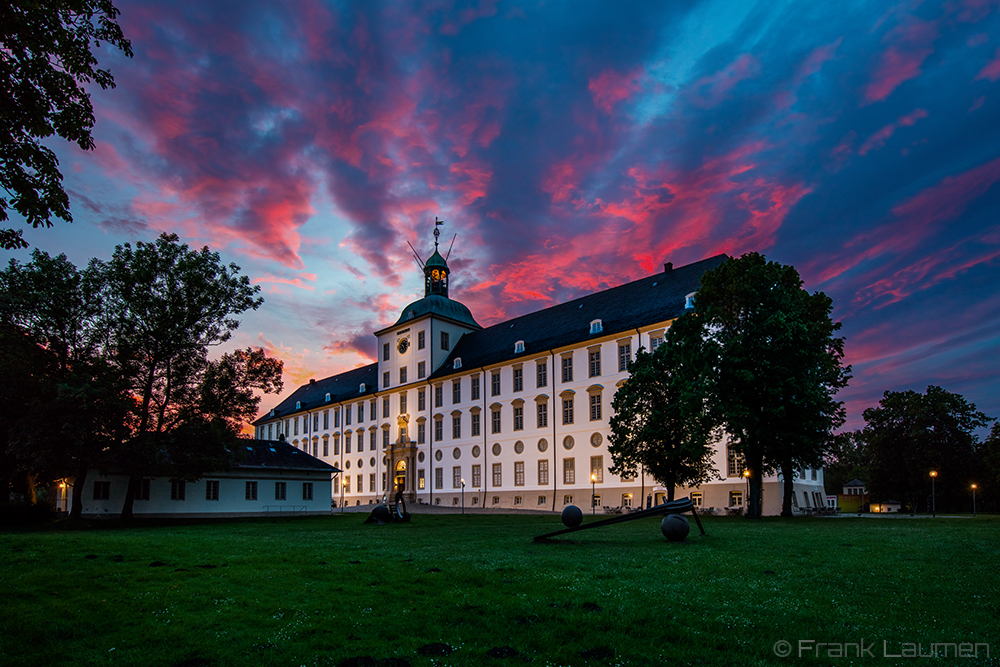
(516, 413)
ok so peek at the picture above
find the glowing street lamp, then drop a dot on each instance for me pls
(974, 487)
(934, 475)
(463, 496)
(746, 476)
(593, 493)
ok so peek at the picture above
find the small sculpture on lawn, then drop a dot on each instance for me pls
(675, 527)
(572, 516)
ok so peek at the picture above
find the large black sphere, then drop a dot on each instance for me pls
(572, 516)
(381, 513)
(675, 527)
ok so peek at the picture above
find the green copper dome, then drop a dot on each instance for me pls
(436, 261)
(438, 305)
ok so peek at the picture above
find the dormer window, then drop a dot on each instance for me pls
(689, 301)
(298, 405)
(328, 398)
(519, 347)
(596, 327)
(361, 389)
(457, 363)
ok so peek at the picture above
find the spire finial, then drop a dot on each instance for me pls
(437, 232)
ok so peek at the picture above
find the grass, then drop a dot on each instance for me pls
(320, 591)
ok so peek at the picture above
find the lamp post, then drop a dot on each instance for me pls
(746, 476)
(974, 487)
(933, 494)
(593, 493)
(463, 496)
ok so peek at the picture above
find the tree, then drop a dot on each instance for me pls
(846, 460)
(164, 306)
(771, 367)
(45, 57)
(987, 471)
(659, 423)
(910, 434)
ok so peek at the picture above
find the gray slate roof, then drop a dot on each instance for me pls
(656, 298)
(278, 455)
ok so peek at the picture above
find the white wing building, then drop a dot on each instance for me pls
(517, 412)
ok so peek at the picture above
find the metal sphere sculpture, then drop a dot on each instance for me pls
(381, 513)
(675, 527)
(572, 516)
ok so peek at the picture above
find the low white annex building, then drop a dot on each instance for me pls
(268, 478)
(516, 413)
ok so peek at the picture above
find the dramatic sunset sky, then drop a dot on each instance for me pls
(572, 146)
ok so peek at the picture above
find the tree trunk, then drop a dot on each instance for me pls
(754, 500)
(788, 488)
(133, 486)
(76, 509)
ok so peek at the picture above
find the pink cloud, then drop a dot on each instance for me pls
(610, 87)
(710, 90)
(950, 197)
(991, 70)
(482, 9)
(909, 46)
(878, 139)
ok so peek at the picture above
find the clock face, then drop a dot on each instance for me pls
(437, 274)
(403, 345)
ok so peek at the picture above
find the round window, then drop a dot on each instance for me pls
(568, 442)
(385, 461)
(596, 439)
(347, 464)
(420, 457)
(543, 444)
(437, 455)
(457, 453)
(361, 463)
(372, 462)
(476, 451)
(496, 449)
(518, 447)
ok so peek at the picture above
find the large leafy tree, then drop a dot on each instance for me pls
(910, 434)
(659, 424)
(771, 366)
(45, 59)
(165, 305)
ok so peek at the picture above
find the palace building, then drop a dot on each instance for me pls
(516, 414)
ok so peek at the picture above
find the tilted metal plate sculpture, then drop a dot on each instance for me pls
(674, 507)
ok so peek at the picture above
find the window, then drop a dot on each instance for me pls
(143, 492)
(295, 424)
(421, 400)
(519, 473)
(385, 438)
(735, 498)
(569, 471)
(624, 356)
(477, 476)
(696, 498)
(519, 347)
(402, 434)
(286, 427)
(438, 396)
(518, 418)
(212, 489)
(597, 469)
(438, 478)
(371, 409)
(456, 391)
(421, 484)
(315, 447)
(361, 413)
(567, 368)
(251, 490)
(595, 407)
(518, 379)
(445, 344)
(307, 490)
(542, 374)
(326, 447)
(279, 490)
(812, 474)
(567, 500)
(595, 362)
(496, 500)
(495, 383)
(385, 407)
(497, 475)
(315, 422)
(361, 486)
(543, 472)
(496, 420)
(270, 431)
(402, 375)
(347, 484)
(336, 485)
(655, 342)
(336, 446)
(347, 443)
(421, 433)
(438, 429)
(543, 415)
(102, 491)
(336, 419)
(596, 327)
(736, 463)
(475, 388)
(421, 369)
(475, 424)
(456, 426)
(456, 477)
(385, 379)
(420, 340)
(402, 404)
(567, 410)
(177, 489)
(385, 351)
(541, 500)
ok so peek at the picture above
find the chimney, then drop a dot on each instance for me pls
(312, 380)
(668, 267)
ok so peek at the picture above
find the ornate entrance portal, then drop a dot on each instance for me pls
(400, 476)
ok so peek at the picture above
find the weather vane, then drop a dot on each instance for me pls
(437, 232)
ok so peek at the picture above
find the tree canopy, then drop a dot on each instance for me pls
(659, 423)
(909, 434)
(770, 366)
(45, 58)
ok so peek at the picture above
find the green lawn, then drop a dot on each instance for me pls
(319, 591)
